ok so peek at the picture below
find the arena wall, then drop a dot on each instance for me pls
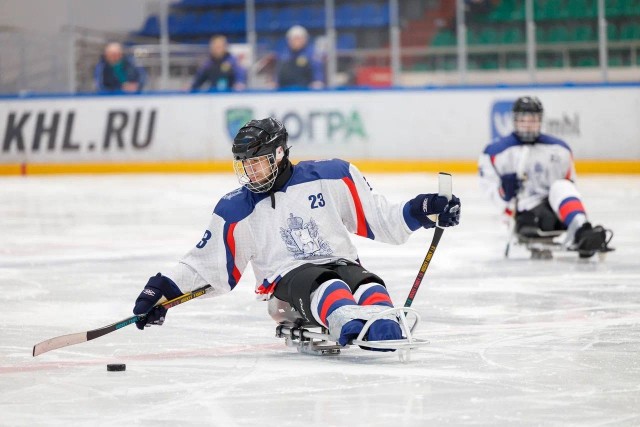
(388, 130)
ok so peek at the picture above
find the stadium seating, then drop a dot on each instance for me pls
(560, 24)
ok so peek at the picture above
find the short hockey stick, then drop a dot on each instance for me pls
(444, 189)
(521, 176)
(71, 339)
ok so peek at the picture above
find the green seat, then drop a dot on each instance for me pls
(557, 9)
(631, 8)
(584, 33)
(581, 9)
(615, 61)
(503, 10)
(444, 38)
(541, 35)
(473, 36)
(473, 64)
(544, 61)
(539, 10)
(558, 34)
(516, 64)
(612, 31)
(450, 64)
(630, 31)
(516, 14)
(488, 36)
(513, 35)
(614, 8)
(489, 64)
(587, 61)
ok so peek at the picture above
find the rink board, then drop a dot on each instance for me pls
(394, 130)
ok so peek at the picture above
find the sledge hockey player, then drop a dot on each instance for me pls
(291, 222)
(533, 174)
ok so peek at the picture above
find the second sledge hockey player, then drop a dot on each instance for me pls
(536, 171)
(292, 223)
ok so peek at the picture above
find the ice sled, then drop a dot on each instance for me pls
(542, 244)
(311, 339)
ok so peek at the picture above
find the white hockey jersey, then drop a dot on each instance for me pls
(540, 164)
(322, 202)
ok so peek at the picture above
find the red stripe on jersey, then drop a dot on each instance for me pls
(568, 175)
(265, 290)
(231, 242)
(569, 207)
(331, 298)
(376, 298)
(361, 226)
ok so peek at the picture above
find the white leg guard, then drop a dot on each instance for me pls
(374, 295)
(317, 297)
(565, 201)
(342, 315)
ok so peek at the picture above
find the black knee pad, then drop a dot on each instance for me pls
(526, 219)
(541, 217)
(297, 286)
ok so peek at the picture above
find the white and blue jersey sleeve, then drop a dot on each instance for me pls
(309, 221)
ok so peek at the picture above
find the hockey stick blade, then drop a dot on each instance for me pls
(444, 189)
(77, 338)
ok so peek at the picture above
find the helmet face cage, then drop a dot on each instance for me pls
(527, 126)
(258, 174)
(527, 118)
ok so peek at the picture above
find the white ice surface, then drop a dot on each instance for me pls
(514, 342)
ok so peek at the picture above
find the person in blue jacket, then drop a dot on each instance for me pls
(299, 66)
(116, 72)
(221, 71)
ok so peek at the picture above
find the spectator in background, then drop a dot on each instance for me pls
(118, 73)
(299, 66)
(222, 71)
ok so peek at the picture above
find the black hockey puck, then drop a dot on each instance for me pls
(112, 367)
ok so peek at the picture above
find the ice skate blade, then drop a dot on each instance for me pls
(318, 348)
(306, 341)
(393, 344)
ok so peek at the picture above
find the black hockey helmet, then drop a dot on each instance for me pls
(258, 148)
(527, 118)
(259, 138)
(527, 104)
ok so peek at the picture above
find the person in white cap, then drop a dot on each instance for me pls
(299, 67)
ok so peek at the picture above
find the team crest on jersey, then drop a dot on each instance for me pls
(303, 240)
(236, 118)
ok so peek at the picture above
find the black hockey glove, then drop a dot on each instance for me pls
(509, 186)
(433, 204)
(157, 287)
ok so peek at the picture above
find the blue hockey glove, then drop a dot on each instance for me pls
(433, 204)
(509, 186)
(157, 287)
